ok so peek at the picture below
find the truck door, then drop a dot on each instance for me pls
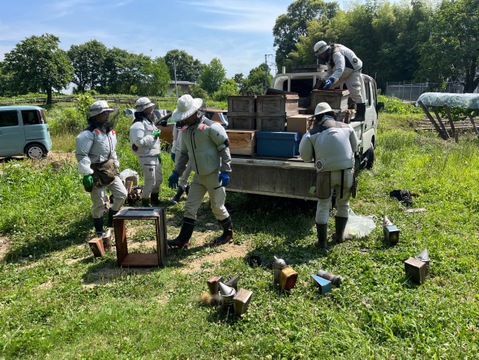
(12, 137)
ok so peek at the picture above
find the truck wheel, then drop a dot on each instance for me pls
(35, 151)
(370, 157)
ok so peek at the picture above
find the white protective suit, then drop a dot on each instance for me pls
(332, 145)
(205, 146)
(175, 149)
(345, 67)
(147, 148)
(95, 145)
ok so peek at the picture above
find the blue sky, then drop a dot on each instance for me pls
(238, 32)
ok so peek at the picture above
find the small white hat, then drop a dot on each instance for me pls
(320, 47)
(321, 108)
(98, 107)
(186, 107)
(143, 103)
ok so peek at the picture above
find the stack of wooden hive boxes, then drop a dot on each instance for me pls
(265, 125)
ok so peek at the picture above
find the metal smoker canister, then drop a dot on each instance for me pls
(335, 279)
(278, 265)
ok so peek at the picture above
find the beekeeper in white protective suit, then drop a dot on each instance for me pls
(343, 67)
(205, 145)
(183, 184)
(332, 145)
(145, 144)
(98, 163)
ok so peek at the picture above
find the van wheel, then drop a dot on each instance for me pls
(370, 157)
(36, 151)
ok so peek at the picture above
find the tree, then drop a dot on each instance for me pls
(452, 49)
(187, 68)
(37, 64)
(291, 26)
(88, 60)
(212, 76)
(256, 80)
(229, 87)
(155, 79)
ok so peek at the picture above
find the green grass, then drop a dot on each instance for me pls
(58, 302)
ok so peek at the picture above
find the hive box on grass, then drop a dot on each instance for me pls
(277, 144)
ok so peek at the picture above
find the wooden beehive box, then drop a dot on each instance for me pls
(241, 105)
(337, 99)
(242, 122)
(284, 104)
(270, 122)
(242, 142)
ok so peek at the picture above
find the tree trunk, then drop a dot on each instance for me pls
(49, 96)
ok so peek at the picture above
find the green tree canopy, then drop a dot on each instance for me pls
(88, 61)
(37, 64)
(212, 76)
(257, 80)
(452, 50)
(187, 68)
(155, 79)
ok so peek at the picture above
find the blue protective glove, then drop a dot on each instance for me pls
(88, 182)
(224, 178)
(173, 180)
(156, 133)
(173, 156)
(328, 83)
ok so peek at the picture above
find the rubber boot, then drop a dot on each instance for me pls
(360, 112)
(177, 197)
(155, 199)
(227, 232)
(322, 230)
(111, 213)
(145, 202)
(183, 238)
(98, 223)
(340, 226)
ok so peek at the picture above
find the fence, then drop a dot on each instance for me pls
(410, 92)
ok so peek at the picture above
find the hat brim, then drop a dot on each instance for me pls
(95, 113)
(180, 116)
(144, 107)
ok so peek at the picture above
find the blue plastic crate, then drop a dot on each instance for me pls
(277, 143)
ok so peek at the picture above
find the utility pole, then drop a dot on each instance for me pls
(266, 71)
(176, 82)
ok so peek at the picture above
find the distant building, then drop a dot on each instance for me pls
(184, 87)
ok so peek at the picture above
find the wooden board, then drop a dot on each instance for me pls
(242, 142)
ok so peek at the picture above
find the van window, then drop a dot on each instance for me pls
(8, 118)
(31, 117)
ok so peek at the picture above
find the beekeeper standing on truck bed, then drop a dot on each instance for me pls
(343, 67)
(331, 144)
(205, 144)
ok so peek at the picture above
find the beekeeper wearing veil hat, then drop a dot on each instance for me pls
(206, 145)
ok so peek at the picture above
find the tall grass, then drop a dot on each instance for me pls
(58, 302)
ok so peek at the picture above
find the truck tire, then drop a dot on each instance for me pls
(370, 157)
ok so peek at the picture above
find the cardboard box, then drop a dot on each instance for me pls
(242, 122)
(281, 104)
(277, 144)
(298, 123)
(242, 142)
(270, 123)
(337, 99)
(241, 105)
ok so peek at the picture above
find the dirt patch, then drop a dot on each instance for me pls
(4, 246)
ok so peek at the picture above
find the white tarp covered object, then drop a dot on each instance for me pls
(468, 101)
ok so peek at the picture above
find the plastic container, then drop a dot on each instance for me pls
(277, 144)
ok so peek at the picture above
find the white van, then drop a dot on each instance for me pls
(24, 131)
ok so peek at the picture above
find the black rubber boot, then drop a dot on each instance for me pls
(155, 199)
(98, 223)
(145, 202)
(340, 226)
(110, 217)
(227, 232)
(183, 238)
(360, 112)
(322, 230)
(177, 197)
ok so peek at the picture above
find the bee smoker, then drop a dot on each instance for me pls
(335, 279)
(278, 265)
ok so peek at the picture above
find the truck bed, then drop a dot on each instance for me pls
(284, 177)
